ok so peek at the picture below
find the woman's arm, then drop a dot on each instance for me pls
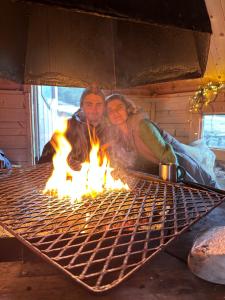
(152, 138)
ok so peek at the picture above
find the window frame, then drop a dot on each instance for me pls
(220, 153)
(211, 114)
(39, 105)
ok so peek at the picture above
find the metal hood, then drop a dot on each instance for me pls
(116, 43)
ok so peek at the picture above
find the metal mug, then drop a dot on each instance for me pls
(171, 172)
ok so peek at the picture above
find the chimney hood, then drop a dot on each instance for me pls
(119, 44)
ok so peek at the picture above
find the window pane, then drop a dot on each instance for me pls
(68, 100)
(213, 131)
(51, 103)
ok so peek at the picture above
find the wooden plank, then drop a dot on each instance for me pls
(140, 98)
(221, 96)
(13, 131)
(16, 155)
(211, 71)
(15, 125)
(13, 115)
(12, 100)
(215, 108)
(172, 113)
(153, 112)
(181, 132)
(146, 105)
(180, 103)
(10, 86)
(173, 87)
(214, 74)
(170, 130)
(216, 14)
(10, 92)
(176, 126)
(171, 95)
(15, 142)
(142, 102)
(173, 117)
(218, 53)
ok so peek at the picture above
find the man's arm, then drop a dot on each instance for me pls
(47, 153)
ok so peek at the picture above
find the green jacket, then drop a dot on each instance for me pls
(144, 147)
(149, 141)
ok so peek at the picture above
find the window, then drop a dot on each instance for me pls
(68, 100)
(213, 130)
(50, 103)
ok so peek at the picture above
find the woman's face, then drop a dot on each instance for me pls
(117, 112)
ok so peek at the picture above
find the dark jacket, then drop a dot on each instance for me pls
(78, 136)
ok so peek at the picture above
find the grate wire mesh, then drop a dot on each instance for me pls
(100, 241)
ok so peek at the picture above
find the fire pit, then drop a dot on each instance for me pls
(100, 240)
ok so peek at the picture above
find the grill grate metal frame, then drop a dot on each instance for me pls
(100, 241)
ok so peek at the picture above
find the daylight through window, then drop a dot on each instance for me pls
(49, 104)
(213, 130)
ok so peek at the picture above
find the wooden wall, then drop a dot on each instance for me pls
(15, 137)
(169, 111)
(168, 106)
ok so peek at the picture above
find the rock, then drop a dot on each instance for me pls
(207, 256)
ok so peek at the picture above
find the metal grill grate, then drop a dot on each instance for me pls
(99, 242)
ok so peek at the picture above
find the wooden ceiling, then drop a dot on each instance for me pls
(216, 62)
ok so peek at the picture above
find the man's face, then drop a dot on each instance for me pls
(93, 108)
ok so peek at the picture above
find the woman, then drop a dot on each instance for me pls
(138, 143)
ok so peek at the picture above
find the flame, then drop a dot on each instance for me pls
(94, 176)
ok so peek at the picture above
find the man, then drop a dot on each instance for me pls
(89, 116)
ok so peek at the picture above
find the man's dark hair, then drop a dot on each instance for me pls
(91, 90)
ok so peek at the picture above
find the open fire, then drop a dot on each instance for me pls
(95, 175)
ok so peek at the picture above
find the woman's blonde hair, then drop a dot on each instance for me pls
(130, 106)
